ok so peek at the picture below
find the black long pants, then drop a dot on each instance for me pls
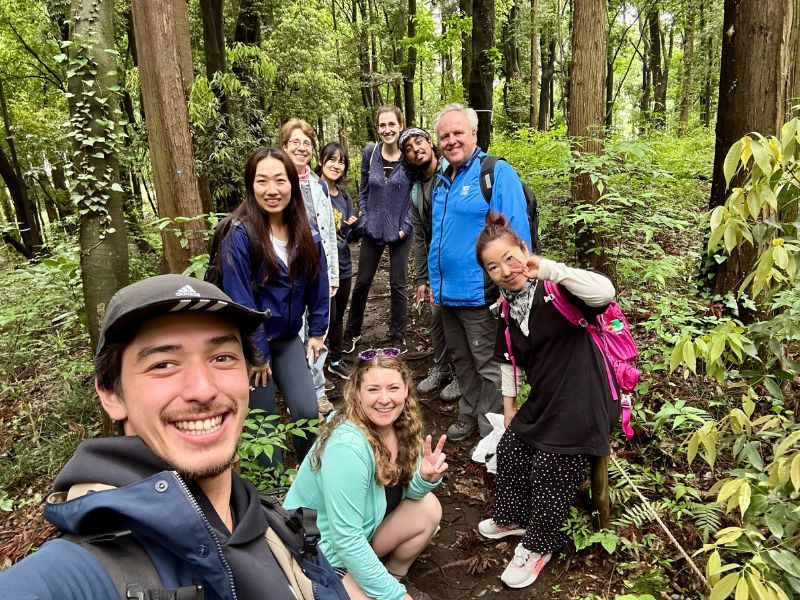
(368, 258)
(535, 489)
(336, 329)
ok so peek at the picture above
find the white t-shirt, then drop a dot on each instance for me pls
(281, 249)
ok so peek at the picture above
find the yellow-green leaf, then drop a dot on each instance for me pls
(756, 587)
(768, 195)
(729, 236)
(694, 444)
(761, 157)
(780, 256)
(712, 567)
(745, 494)
(689, 357)
(729, 534)
(742, 591)
(716, 217)
(795, 471)
(787, 443)
(732, 161)
(728, 489)
(724, 587)
(676, 357)
(754, 202)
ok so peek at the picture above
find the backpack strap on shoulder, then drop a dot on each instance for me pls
(299, 530)
(488, 163)
(130, 568)
(505, 310)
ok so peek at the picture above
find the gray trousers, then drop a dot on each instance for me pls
(470, 334)
(441, 358)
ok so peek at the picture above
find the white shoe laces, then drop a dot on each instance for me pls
(522, 555)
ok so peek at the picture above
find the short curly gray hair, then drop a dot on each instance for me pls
(472, 116)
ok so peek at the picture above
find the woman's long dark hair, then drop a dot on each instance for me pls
(304, 261)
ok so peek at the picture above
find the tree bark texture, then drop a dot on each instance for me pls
(752, 97)
(466, 8)
(533, 108)
(481, 77)
(655, 67)
(708, 54)
(410, 70)
(688, 59)
(248, 23)
(586, 110)
(166, 74)
(103, 240)
(511, 66)
(546, 87)
(644, 102)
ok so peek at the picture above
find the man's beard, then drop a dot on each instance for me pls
(417, 172)
(207, 472)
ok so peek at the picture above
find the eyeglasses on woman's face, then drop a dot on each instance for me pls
(295, 143)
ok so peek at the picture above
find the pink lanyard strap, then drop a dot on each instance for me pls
(504, 308)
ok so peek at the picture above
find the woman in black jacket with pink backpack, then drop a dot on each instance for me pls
(543, 455)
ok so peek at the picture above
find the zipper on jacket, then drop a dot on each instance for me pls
(226, 565)
(439, 253)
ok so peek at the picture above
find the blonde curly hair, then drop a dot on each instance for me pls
(408, 426)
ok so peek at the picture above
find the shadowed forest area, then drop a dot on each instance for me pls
(660, 137)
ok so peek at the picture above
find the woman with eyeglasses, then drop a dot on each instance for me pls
(269, 233)
(385, 210)
(299, 140)
(334, 163)
(369, 477)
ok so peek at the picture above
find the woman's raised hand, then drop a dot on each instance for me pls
(433, 463)
(529, 268)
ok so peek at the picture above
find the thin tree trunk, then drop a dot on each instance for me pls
(511, 68)
(410, 66)
(705, 95)
(586, 114)
(546, 88)
(481, 77)
(688, 59)
(656, 67)
(166, 73)
(644, 102)
(533, 112)
(466, 9)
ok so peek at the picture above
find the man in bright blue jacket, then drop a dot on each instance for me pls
(458, 282)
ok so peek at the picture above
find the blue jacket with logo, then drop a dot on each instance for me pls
(459, 213)
(286, 299)
(137, 491)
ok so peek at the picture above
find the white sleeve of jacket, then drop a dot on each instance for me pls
(510, 380)
(593, 288)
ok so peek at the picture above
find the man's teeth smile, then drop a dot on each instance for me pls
(199, 426)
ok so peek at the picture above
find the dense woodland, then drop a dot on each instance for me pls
(659, 136)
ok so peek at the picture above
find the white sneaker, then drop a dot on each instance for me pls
(489, 529)
(524, 568)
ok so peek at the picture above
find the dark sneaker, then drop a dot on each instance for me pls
(329, 386)
(461, 430)
(400, 345)
(451, 392)
(339, 369)
(437, 377)
(349, 343)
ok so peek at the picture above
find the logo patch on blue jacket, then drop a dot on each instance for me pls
(465, 190)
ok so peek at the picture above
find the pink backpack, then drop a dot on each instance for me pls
(613, 337)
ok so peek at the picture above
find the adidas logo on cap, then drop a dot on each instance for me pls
(187, 291)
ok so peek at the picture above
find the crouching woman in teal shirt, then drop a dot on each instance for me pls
(369, 477)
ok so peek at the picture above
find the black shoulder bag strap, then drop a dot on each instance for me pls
(298, 531)
(130, 568)
(487, 176)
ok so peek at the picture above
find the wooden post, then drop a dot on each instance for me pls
(600, 498)
(162, 41)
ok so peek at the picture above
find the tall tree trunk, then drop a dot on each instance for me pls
(752, 97)
(166, 72)
(586, 112)
(656, 68)
(546, 88)
(27, 224)
(708, 54)
(103, 240)
(644, 101)
(466, 9)
(511, 68)
(248, 23)
(608, 121)
(533, 108)
(410, 69)
(481, 77)
(688, 59)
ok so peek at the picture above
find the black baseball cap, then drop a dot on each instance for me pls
(165, 294)
(410, 132)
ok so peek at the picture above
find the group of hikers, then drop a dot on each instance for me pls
(180, 360)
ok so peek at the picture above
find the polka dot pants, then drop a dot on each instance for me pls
(535, 490)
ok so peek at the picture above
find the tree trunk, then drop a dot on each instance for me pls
(248, 24)
(644, 101)
(752, 97)
(688, 58)
(28, 226)
(166, 73)
(546, 88)
(481, 77)
(104, 247)
(655, 67)
(705, 95)
(511, 68)
(533, 108)
(466, 9)
(410, 69)
(586, 114)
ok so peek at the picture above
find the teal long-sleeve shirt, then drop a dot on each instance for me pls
(350, 505)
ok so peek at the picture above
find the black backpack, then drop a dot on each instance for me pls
(488, 163)
(213, 272)
(134, 575)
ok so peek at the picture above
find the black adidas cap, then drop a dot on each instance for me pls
(166, 294)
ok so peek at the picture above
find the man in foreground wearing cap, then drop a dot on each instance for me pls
(172, 366)
(422, 161)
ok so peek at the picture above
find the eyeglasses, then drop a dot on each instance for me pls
(373, 352)
(304, 143)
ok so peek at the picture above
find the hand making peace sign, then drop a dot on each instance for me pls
(433, 464)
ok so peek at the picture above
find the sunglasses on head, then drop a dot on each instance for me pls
(373, 352)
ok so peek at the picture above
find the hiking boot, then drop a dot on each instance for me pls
(460, 430)
(339, 369)
(437, 377)
(489, 529)
(451, 392)
(400, 345)
(524, 568)
(349, 343)
(324, 405)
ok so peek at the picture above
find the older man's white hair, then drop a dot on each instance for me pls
(472, 116)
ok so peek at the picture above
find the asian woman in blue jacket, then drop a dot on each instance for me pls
(271, 229)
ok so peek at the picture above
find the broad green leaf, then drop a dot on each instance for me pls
(768, 195)
(689, 357)
(787, 443)
(732, 161)
(729, 534)
(729, 236)
(716, 217)
(773, 388)
(758, 589)
(724, 587)
(761, 157)
(712, 567)
(745, 494)
(795, 471)
(781, 257)
(742, 591)
(774, 521)
(754, 202)
(676, 357)
(694, 444)
(786, 561)
(728, 489)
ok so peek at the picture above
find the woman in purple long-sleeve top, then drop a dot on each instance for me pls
(383, 200)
